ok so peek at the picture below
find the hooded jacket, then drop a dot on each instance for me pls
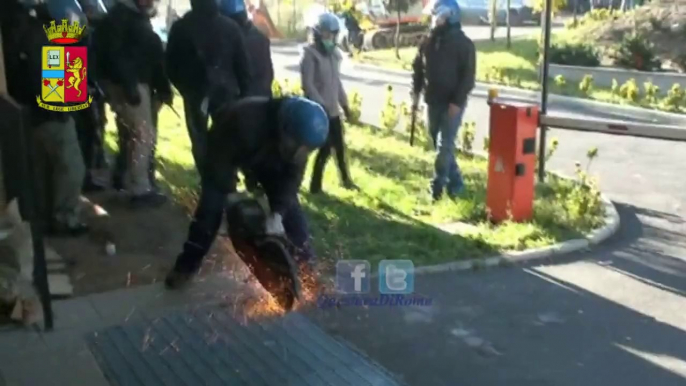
(129, 52)
(260, 56)
(446, 65)
(206, 56)
(321, 78)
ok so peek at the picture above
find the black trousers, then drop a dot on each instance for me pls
(336, 143)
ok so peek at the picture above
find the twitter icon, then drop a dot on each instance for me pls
(396, 277)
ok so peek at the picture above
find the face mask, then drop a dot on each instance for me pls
(437, 21)
(329, 45)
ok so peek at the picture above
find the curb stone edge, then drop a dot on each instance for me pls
(595, 237)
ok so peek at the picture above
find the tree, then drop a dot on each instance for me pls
(509, 26)
(558, 5)
(493, 16)
(399, 7)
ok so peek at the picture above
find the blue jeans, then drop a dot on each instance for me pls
(443, 130)
(208, 217)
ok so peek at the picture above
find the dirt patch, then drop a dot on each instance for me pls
(147, 243)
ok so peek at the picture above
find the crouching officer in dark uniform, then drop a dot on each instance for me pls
(257, 45)
(207, 62)
(271, 139)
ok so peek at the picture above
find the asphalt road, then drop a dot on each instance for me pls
(610, 316)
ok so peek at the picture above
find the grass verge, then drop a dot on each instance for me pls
(514, 67)
(392, 217)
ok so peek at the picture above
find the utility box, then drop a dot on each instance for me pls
(511, 161)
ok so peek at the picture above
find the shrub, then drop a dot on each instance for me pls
(390, 115)
(560, 81)
(584, 201)
(615, 88)
(675, 99)
(630, 91)
(586, 84)
(467, 135)
(636, 52)
(575, 55)
(651, 91)
(355, 101)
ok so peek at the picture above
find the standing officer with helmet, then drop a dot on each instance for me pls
(270, 139)
(208, 63)
(445, 66)
(321, 82)
(257, 46)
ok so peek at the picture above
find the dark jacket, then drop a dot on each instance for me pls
(246, 137)
(129, 52)
(262, 69)
(206, 56)
(446, 65)
(23, 39)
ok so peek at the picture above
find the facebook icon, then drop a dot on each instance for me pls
(352, 276)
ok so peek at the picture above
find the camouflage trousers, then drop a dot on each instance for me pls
(138, 127)
(59, 172)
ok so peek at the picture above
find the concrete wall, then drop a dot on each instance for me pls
(603, 76)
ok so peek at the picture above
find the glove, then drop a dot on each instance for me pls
(274, 225)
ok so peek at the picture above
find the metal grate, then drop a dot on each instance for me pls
(209, 347)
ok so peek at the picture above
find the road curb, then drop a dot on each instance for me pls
(595, 237)
(518, 92)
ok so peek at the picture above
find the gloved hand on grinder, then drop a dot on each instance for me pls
(274, 225)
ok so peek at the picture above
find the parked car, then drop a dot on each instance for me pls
(477, 12)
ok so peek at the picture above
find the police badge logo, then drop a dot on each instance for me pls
(64, 85)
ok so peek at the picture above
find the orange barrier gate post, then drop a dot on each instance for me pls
(511, 161)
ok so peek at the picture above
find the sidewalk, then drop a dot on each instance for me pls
(212, 334)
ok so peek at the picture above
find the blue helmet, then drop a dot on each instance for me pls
(448, 9)
(304, 121)
(231, 7)
(66, 9)
(327, 22)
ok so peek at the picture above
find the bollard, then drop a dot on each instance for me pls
(511, 161)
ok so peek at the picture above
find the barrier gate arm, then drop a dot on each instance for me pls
(616, 127)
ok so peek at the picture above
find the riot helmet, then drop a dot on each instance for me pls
(304, 127)
(66, 9)
(443, 12)
(235, 9)
(326, 30)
